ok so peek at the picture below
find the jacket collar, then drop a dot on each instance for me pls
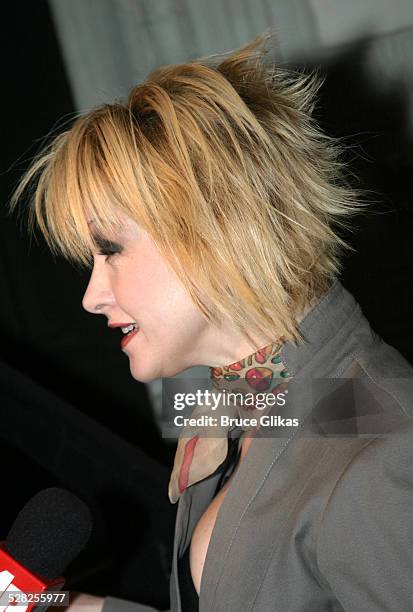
(330, 319)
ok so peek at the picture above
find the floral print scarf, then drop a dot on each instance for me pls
(200, 452)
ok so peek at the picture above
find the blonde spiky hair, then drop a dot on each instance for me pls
(222, 163)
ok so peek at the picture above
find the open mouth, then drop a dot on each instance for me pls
(129, 328)
(128, 333)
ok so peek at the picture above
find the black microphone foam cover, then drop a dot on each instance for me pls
(49, 532)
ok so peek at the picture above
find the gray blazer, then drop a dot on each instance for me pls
(318, 517)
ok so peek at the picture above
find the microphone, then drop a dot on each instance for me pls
(47, 535)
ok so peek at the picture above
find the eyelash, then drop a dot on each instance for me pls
(108, 253)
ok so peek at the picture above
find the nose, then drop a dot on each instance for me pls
(98, 297)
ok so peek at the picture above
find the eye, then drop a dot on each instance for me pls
(108, 253)
(107, 248)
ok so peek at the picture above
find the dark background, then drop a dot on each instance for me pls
(71, 415)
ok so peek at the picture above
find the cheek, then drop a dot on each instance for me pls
(136, 287)
(171, 316)
(153, 296)
(186, 320)
(170, 309)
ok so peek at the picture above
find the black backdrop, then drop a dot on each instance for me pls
(71, 415)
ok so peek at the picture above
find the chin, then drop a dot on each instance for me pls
(148, 374)
(144, 376)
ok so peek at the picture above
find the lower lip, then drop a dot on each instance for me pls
(126, 339)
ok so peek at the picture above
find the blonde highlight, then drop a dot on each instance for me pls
(222, 163)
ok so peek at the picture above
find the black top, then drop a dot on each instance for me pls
(189, 596)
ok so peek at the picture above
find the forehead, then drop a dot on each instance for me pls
(124, 227)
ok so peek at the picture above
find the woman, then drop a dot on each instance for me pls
(209, 204)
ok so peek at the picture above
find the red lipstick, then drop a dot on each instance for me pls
(126, 339)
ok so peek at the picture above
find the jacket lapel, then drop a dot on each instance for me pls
(245, 486)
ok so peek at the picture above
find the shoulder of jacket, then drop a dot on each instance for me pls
(375, 479)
